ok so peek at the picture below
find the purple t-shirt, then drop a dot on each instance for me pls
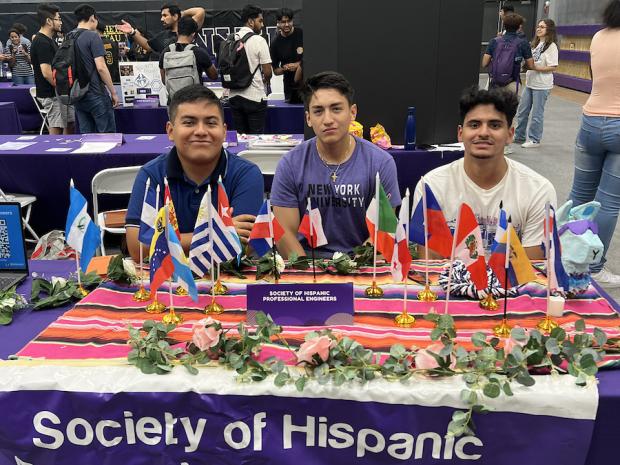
(301, 174)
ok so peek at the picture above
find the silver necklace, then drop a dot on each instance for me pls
(334, 173)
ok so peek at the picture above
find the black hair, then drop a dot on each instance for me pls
(512, 22)
(173, 8)
(83, 12)
(611, 14)
(187, 26)
(508, 9)
(101, 26)
(46, 11)
(20, 28)
(250, 12)
(193, 93)
(327, 80)
(503, 100)
(13, 30)
(282, 12)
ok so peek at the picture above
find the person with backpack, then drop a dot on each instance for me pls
(538, 85)
(93, 105)
(245, 68)
(506, 54)
(184, 62)
(60, 116)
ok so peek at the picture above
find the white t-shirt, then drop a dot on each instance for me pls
(522, 191)
(257, 51)
(535, 79)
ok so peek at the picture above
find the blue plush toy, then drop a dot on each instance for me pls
(581, 246)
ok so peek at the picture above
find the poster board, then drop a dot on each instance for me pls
(141, 80)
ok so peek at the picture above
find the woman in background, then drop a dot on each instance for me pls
(538, 85)
(597, 149)
(17, 54)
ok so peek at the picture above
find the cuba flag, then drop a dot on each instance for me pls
(80, 232)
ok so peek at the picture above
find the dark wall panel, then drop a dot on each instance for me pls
(397, 54)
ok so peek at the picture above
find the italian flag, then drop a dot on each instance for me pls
(381, 222)
(401, 257)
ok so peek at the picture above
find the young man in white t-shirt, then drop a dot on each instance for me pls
(484, 177)
(249, 105)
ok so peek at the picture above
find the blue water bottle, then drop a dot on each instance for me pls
(410, 129)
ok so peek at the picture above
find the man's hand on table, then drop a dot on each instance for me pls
(243, 225)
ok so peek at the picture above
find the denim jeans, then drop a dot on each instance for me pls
(95, 113)
(23, 79)
(534, 100)
(597, 173)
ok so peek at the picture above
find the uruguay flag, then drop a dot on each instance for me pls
(265, 227)
(439, 235)
(213, 240)
(149, 213)
(180, 263)
(80, 232)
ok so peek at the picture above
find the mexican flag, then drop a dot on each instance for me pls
(380, 215)
(401, 257)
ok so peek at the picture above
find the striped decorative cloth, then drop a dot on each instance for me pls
(96, 328)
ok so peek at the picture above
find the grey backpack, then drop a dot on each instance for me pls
(180, 68)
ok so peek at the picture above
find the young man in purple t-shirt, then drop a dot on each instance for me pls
(335, 169)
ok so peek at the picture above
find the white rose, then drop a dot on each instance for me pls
(7, 302)
(57, 280)
(280, 263)
(337, 256)
(130, 267)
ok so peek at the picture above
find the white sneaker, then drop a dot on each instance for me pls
(508, 150)
(530, 145)
(606, 278)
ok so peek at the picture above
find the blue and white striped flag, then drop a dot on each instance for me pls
(212, 241)
(502, 226)
(149, 213)
(80, 232)
(182, 271)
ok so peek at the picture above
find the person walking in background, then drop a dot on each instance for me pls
(597, 149)
(538, 85)
(287, 50)
(17, 54)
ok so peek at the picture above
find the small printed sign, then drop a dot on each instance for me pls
(302, 304)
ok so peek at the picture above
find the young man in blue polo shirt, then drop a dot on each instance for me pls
(197, 159)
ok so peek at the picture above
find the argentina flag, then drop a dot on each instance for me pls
(80, 232)
(212, 241)
(149, 213)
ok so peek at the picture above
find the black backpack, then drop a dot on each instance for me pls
(68, 71)
(233, 63)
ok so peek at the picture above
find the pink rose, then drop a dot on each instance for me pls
(510, 344)
(204, 335)
(425, 361)
(318, 345)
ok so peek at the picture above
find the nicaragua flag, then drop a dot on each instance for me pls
(149, 213)
(80, 232)
(557, 274)
(311, 227)
(502, 226)
(439, 235)
(265, 227)
(180, 263)
(213, 239)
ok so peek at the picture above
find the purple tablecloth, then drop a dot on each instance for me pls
(28, 113)
(9, 119)
(282, 118)
(27, 324)
(33, 170)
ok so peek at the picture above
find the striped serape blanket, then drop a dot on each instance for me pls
(96, 328)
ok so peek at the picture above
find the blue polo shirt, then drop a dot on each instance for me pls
(242, 180)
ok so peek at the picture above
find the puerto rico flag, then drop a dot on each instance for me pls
(439, 235)
(311, 227)
(469, 247)
(265, 228)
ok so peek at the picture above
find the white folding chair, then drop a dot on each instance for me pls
(25, 202)
(42, 111)
(266, 160)
(113, 181)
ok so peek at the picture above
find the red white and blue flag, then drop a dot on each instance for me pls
(439, 235)
(266, 227)
(557, 276)
(311, 227)
(149, 213)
